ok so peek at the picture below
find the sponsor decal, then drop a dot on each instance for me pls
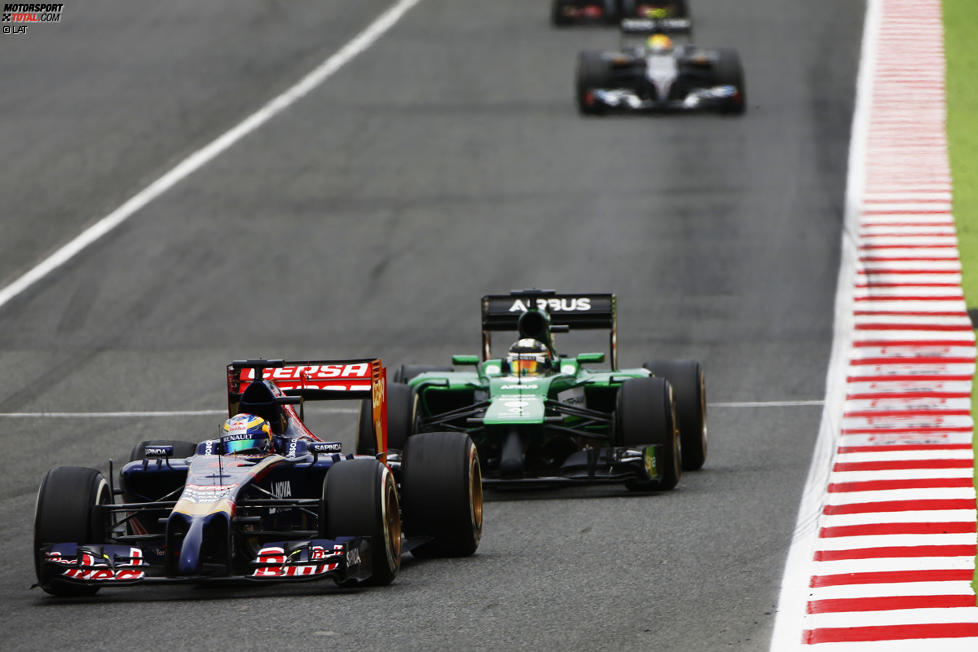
(326, 446)
(16, 17)
(520, 386)
(515, 406)
(312, 372)
(158, 451)
(286, 567)
(237, 436)
(97, 570)
(196, 493)
(555, 305)
(282, 489)
(352, 557)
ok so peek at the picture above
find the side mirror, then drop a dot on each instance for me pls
(590, 357)
(465, 360)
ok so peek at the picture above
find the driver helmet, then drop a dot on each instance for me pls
(529, 357)
(246, 434)
(659, 43)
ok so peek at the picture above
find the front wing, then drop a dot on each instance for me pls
(595, 466)
(627, 100)
(341, 559)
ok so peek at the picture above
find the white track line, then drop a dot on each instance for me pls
(790, 616)
(199, 413)
(204, 155)
(149, 414)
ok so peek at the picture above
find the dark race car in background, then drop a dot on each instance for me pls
(576, 12)
(569, 424)
(649, 72)
(303, 510)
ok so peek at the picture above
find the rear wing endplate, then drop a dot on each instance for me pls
(572, 311)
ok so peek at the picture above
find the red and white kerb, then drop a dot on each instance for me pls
(894, 546)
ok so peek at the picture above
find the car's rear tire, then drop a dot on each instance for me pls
(646, 414)
(593, 71)
(360, 500)
(67, 511)
(729, 71)
(400, 420)
(689, 387)
(441, 483)
(181, 449)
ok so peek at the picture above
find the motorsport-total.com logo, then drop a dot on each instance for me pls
(17, 17)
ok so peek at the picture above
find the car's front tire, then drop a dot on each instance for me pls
(441, 483)
(645, 414)
(360, 500)
(68, 511)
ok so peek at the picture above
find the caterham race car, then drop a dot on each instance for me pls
(267, 500)
(577, 12)
(650, 72)
(542, 418)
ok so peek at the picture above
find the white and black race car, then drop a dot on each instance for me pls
(655, 74)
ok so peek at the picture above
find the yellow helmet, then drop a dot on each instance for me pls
(659, 43)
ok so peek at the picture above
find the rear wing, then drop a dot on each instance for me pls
(316, 380)
(656, 26)
(574, 311)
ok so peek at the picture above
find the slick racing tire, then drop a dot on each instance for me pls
(67, 511)
(689, 387)
(730, 71)
(408, 371)
(441, 483)
(400, 420)
(593, 71)
(360, 500)
(646, 414)
(181, 449)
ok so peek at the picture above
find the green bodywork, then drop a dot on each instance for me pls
(570, 409)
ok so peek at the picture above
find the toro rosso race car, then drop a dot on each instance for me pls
(539, 417)
(656, 74)
(572, 12)
(267, 500)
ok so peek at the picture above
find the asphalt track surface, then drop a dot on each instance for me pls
(444, 162)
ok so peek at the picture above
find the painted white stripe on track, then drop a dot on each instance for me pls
(148, 414)
(930, 493)
(894, 540)
(895, 617)
(204, 155)
(930, 438)
(890, 456)
(927, 516)
(900, 474)
(789, 620)
(891, 589)
(333, 410)
(887, 564)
